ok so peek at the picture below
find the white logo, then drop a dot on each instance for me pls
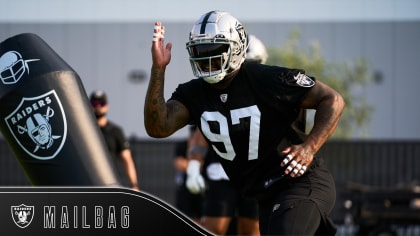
(223, 97)
(22, 215)
(303, 80)
(39, 125)
(12, 67)
(276, 207)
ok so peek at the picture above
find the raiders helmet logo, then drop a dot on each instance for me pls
(39, 125)
(22, 215)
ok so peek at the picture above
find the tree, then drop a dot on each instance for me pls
(347, 78)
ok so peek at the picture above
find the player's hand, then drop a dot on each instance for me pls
(195, 181)
(297, 159)
(161, 54)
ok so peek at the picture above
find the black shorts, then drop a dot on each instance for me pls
(222, 199)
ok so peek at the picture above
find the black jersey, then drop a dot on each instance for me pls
(245, 122)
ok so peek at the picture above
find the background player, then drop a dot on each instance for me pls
(185, 201)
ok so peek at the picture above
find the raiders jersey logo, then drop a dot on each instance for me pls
(303, 80)
(223, 97)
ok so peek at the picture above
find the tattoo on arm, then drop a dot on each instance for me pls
(162, 118)
(329, 105)
(155, 105)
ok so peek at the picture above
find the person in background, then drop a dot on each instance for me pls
(225, 210)
(246, 112)
(190, 204)
(256, 52)
(118, 145)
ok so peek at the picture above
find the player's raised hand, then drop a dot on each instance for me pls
(161, 54)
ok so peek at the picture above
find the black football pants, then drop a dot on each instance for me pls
(300, 206)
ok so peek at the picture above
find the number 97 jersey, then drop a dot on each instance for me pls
(246, 122)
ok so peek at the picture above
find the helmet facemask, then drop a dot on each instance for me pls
(210, 60)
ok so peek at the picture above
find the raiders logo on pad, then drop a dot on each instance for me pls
(39, 125)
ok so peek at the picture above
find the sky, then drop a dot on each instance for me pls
(60, 11)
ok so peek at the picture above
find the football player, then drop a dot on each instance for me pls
(246, 113)
(224, 207)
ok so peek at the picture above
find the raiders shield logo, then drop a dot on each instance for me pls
(22, 215)
(303, 80)
(223, 97)
(39, 125)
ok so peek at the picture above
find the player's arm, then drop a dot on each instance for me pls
(329, 105)
(197, 146)
(161, 118)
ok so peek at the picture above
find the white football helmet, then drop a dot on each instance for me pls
(256, 51)
(217, 46)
